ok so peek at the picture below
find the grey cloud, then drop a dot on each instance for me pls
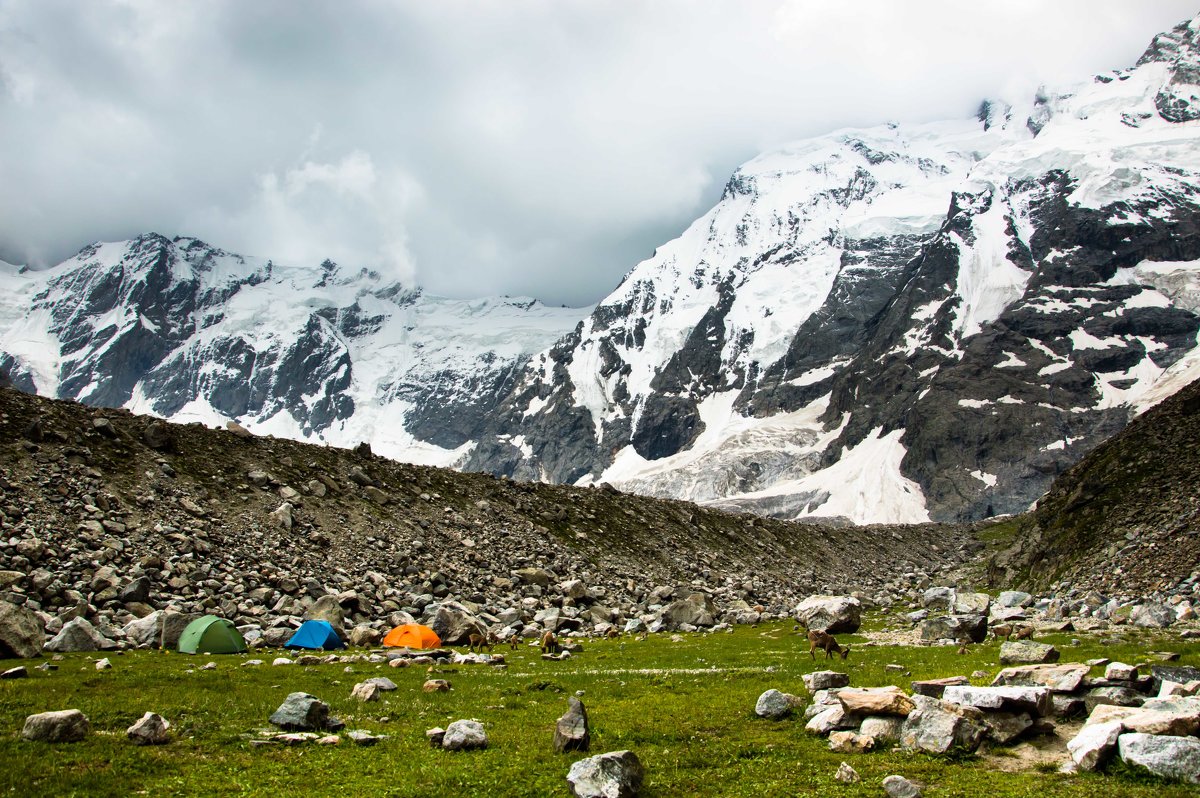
(529, 147)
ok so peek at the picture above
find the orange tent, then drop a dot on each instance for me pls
(412, 635)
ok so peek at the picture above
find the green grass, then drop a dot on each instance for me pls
(685, 708)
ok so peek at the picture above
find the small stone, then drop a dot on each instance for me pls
(900, 787)
(366, 691)
(773, 705)
(282, 661)
(363, 738)
(617, 774)
(847, 742)
(464, 735)
(301, 712)
(1119, 671)
(151, 729)
(436, 686)
(103, 664)
(209, 666)
(329, 739)
(846, 774)
(19, 672)
(435, 736)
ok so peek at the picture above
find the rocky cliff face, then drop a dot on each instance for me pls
(902, 323)
(189, 332)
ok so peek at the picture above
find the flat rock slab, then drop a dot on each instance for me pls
(825, 680)
(935, 687)
(876, 701)
(1021, 651)
(1035, 700)
(1063, 678)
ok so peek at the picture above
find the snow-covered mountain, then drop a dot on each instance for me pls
(183, 330)
(899, 323)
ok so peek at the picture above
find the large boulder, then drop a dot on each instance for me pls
(696, 609)
(79, 635)
(21, 632)
(159, 628)
(63, 726)
(1151, 616)
(832, 614)
(971, 604)
(617, 774)
(955, 627)
(327, 608)
(1164, 756)
(937, 727)
(452, 622)
(938, 599)
(1014, 598)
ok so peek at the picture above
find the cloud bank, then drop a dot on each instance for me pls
(537, 147)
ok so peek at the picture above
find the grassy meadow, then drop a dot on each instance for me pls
(683, 704)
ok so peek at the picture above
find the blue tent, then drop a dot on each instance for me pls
(315, 634)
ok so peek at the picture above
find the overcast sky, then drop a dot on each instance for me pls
(515, 146)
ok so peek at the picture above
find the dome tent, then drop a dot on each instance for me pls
(412, 635)
(315, 634)
(211, 635)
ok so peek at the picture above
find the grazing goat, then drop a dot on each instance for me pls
(826, 643)
(550, 644)
(1013, 631)
(478, 641)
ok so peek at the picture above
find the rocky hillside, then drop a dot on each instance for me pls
(1124, 520)
(110, 515)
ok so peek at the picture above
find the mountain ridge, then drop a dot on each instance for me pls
(904, 323)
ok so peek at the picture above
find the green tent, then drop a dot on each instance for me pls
(211, 635)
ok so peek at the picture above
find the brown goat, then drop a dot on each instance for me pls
(826, 643)
(478, 641)
(550, 643)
